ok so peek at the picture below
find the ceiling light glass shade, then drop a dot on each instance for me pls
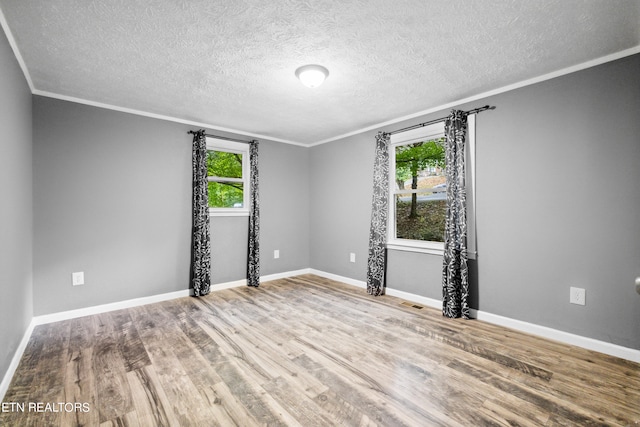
(312, 75)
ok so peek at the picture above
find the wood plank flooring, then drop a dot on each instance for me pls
(308, 351)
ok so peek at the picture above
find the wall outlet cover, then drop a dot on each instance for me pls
(577, 296)
(77, 278)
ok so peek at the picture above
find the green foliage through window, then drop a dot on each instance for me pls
(224, 164)
(225, 195)
(412, 158)
(225, 184)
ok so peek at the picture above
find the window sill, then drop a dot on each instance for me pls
(228, 212)
(423, 249)
(407, 247)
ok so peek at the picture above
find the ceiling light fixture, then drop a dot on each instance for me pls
(312, 75)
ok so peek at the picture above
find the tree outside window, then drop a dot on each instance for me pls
(228, 176)
(420, 195)
(225, 179)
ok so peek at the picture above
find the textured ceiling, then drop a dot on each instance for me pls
(230, 64)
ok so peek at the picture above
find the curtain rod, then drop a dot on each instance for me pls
(442, 119)
(222, 137)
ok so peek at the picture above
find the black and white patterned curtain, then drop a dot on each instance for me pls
(455, 273)
(253, 264)
(200, 237)
(377, 260)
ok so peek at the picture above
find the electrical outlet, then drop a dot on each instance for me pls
(276, 254)
(352, 257)
(577, 296)
(77, 278)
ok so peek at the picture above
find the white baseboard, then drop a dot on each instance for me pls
(228, 285)
(541, 331)
(561, 336)
(337, 278)
(285, 275)
(103, 308)
(429, 302)
(243, 282)
(15, 361)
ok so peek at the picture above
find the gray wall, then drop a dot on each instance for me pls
(557, 205)
(16, 222)
(284, 207)
(112, 198)
(558, 202)
(340, 182)
(284, 218)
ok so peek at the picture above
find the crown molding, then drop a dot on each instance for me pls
(16, 52)
(564, 71)
(518, 85)
(161, 117)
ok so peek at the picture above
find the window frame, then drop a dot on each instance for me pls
(425, 133)
(215, 144)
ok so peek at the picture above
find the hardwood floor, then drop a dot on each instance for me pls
(307, 351)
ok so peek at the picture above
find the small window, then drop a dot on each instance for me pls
(418, 187)
(228, 176)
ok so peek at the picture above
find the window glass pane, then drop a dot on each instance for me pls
(225, 195)
(420, 216)
(224, 164)
(420, 166)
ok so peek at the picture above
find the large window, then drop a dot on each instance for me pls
(228, 175)
(417, 200)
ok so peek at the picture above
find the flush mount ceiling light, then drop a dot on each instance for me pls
(312, 75)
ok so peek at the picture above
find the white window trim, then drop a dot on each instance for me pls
(421, 134)
(240, 148)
